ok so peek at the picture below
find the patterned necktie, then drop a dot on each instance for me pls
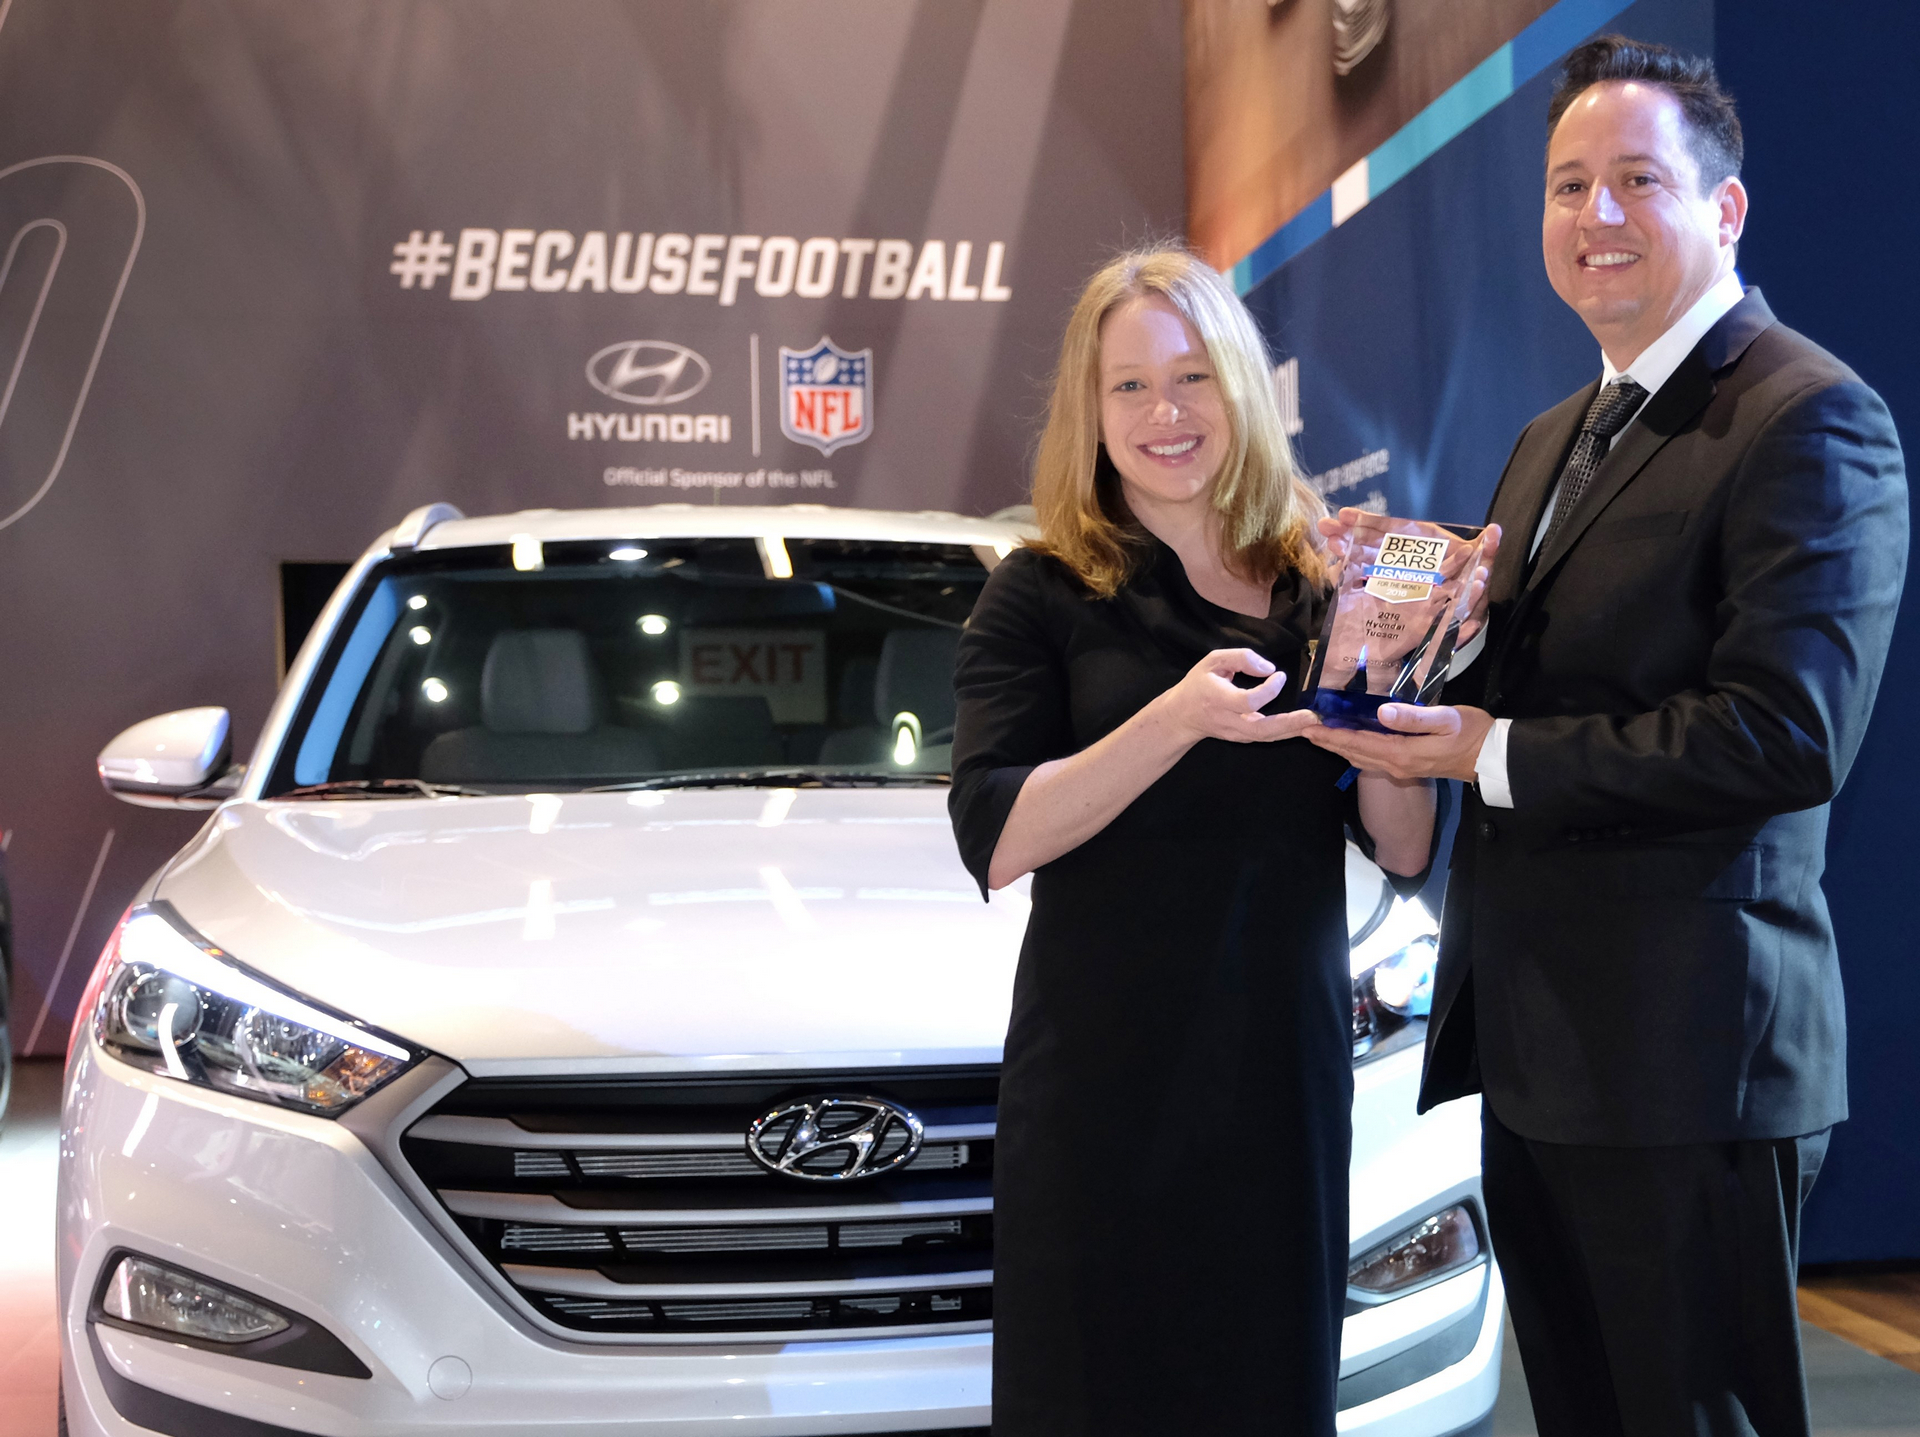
(1612, 407)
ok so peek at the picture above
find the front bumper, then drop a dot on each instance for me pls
(299, 1211)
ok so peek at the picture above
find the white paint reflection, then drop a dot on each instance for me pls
(917, 895)
(779, 804)
(741, 895)
(786, 900)
(473, 919)
(546, 812)
(140, 1124)
(539, 922)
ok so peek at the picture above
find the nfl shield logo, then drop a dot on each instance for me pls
(826, 395)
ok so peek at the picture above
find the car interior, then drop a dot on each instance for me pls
(592, 670)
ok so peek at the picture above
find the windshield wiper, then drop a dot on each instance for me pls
(382, 788)
(772, 778)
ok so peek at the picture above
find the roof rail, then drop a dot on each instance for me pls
(414, 527)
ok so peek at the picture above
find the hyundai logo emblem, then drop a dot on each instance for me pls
(648, 371)
(834, 1139)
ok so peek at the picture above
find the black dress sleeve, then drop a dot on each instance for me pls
(1010, 688)
(1406, 885)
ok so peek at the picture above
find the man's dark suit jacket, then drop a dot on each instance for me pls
(1638, 952)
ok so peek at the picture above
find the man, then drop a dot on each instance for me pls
(1686, 626)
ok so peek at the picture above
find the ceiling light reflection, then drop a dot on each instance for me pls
(906, 739)
(774, 557)
(786, 902)
(546, 812)
(539, 922)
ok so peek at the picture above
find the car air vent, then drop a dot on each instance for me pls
(634, 1208)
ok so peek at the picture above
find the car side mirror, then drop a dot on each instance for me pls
(178, 760)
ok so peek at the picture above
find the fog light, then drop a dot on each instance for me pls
(1444, 1242)
(149, 1295)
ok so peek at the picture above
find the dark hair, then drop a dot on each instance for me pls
(1713, 128)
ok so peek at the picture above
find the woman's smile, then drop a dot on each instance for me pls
(1174, 452)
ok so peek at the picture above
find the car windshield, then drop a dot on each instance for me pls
(649, 663)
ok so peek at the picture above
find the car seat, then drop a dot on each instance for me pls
(914, 675)
(540, 719)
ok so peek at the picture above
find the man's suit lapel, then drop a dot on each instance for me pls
(1684, 395)
(1522, 498)
(1679, 399)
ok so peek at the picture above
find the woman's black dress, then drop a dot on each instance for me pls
(1170, 1184)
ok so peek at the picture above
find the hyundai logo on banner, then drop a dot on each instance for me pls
(826, 395)
(648, 371)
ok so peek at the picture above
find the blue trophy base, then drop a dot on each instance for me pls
(1339, 709)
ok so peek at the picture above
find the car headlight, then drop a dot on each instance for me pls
(172, 1003)
(1445, 1243)
(1393, 974)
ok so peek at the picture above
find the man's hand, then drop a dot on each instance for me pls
(1437, 742)
(1337, 530)
(1476, 619)
(1337, 533)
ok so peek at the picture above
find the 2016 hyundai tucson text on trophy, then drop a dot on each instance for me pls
(575, 1017)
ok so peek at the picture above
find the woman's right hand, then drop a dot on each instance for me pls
(1208, 704)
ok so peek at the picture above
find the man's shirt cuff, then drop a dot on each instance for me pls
(1490, 768)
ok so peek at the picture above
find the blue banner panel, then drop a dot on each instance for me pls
(1820, 102)
(1424, 329)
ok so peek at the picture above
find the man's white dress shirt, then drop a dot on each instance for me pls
(1651, 370)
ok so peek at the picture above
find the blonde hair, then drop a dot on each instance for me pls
(1267, 511)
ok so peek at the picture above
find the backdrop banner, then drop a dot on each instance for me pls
(276, 273)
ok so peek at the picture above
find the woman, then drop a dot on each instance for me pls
(1171, 1169)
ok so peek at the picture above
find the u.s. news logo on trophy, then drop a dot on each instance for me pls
(826, 395)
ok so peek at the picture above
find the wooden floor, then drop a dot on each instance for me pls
(1879, 1312)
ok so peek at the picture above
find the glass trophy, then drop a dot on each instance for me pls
(1403, 592)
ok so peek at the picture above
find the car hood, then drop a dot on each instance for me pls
(621, 931)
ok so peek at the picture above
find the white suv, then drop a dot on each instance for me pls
(576, 1018)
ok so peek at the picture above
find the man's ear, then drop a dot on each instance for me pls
(1731, 196)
